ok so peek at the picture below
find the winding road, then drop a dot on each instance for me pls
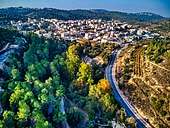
(119, 96)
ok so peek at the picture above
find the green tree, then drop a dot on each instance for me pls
(72, 62)
(40, 119)
(84, 75)
(72, 65)
(24, 110)
(8, 119)
(107, 105)
(74, 117)
(15, 98)
(15, 74)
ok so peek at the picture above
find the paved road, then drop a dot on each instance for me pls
(5, 48)
(130, 111)
(4, 57)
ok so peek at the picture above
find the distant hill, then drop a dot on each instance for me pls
(16, 13)
(147, 16)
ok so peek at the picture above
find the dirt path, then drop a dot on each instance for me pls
(64, 123)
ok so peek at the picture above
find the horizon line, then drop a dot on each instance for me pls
(90, 9)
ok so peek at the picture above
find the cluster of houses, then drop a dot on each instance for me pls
(101, 31)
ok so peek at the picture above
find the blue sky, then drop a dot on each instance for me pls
(161, 7)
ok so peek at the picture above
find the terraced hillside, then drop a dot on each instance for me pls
(143, 73)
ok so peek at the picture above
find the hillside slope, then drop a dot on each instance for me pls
(143, 74)
(14, 13)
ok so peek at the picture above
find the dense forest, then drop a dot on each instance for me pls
(50, 75)
(21, 13)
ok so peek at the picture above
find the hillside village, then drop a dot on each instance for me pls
(101, 31)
